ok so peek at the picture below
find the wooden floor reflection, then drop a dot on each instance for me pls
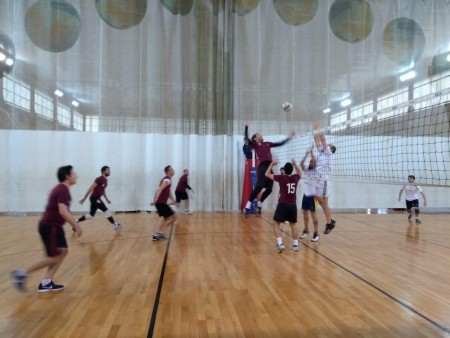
(219, 276)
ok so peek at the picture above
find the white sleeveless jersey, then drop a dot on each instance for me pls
(323, 167)
(309, 182)
(412, 191)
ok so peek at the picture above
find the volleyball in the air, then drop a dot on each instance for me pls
(287, 106)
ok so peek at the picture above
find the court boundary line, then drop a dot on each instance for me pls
(396, 300)
(152, 324)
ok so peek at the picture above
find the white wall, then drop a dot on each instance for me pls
(30, 160)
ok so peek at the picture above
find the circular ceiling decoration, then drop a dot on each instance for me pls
(53, 25)
(121, 14)
(182, 7)
(351, 20)
(296, 12)
(403, 41)
(242, 7)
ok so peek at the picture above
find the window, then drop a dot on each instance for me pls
(16, 93)
(428, 87)
(389, 102)
(77, 121)
(337, 119)
(92, 123)
(360, 111)
(43, 105)
(64, 116)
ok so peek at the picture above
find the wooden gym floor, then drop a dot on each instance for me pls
(219, 276)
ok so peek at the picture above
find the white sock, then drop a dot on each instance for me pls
(46, 281)
(259, 204)
(279, 240)
(296, 242)
(248, 205)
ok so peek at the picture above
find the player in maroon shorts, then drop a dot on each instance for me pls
(181, 193)
(264, 154)
(97, 190)
(160, 202)
(52, 234)
(287, 203)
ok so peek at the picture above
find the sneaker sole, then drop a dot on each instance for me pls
(50, 290)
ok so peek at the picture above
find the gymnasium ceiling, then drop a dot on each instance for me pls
(96, 51)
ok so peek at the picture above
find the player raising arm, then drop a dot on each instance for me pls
(323, 175)
(264, 154)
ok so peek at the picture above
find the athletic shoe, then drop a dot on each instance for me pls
(50, 287)
(304, 234)
(188, 212)
(280, 247)
(315, 237)
(333, 222)
(409, 217)
(258, 210)
(329, 227)
(294, 247)
(158, 236)
(246, 212)
(418, 221)
(117, 226)
(18, 280)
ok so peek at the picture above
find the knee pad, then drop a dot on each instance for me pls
(108, 213)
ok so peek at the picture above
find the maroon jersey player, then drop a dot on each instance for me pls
(181, 191)
(264, 154)
(160, 200)
(98, 190)
(287, 203)
(57, 212)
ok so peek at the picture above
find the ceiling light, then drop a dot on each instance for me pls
(9, 62)
(2, 57)
(408, 76)
(59, 93)
(327, 110)
(346, 103)
(75, 103)
(448, 57)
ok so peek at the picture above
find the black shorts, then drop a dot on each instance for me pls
(412, 204)
(181, 196)
(285, 212)
(164, 210)
(309, 203)
(53, 238)
(96, 203)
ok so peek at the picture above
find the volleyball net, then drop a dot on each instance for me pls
(387, 145)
